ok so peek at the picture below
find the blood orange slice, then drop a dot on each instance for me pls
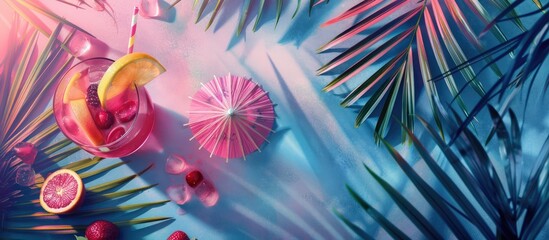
(62, 192)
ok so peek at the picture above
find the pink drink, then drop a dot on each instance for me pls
(120, 134)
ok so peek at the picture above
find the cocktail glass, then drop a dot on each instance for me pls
(78, 120)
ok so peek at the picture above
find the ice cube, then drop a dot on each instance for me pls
(175, 164)
(115, 134)
(95, 73)
(179, 193)
(206, 193)
(149, 8)
(126, 112)
(25, 175)
(26, 152)
(80, 44)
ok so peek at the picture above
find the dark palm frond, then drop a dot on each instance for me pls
(507, 204)
(530, 50)
(408, 43)
(393, 230)
(28, 74)
(356, 229)
(10, 192)
(259, 7)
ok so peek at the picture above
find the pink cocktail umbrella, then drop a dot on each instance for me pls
(231, 116)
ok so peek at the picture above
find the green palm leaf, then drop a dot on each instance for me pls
(28, 72)
(23, 119)
(72, 229)
(422, 31)
(92, 212)
(482, 204)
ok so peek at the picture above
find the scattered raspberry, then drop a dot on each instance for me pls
(104, 119)
(194, 178)
(178, 235)
(102, 230)
(91, 97)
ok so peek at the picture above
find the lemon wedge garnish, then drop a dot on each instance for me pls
(132, 68)
(84, 120)
(73, 91)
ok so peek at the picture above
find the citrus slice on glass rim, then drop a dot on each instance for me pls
(133, 68)
(62, 192)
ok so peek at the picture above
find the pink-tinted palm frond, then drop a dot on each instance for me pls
(384, 37)
(355, 10)
(372, 19)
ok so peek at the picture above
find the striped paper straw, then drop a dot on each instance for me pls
(133, 29)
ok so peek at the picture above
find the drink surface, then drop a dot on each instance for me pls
(115, 130)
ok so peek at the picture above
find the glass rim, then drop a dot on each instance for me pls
(140, 91)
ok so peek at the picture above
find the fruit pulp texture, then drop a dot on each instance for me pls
(132, 111)
(60, 191)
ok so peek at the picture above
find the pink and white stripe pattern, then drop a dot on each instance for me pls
(231, 117)
(133, 29)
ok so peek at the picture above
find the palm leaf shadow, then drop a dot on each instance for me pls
(251, 9)
(305, 24)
